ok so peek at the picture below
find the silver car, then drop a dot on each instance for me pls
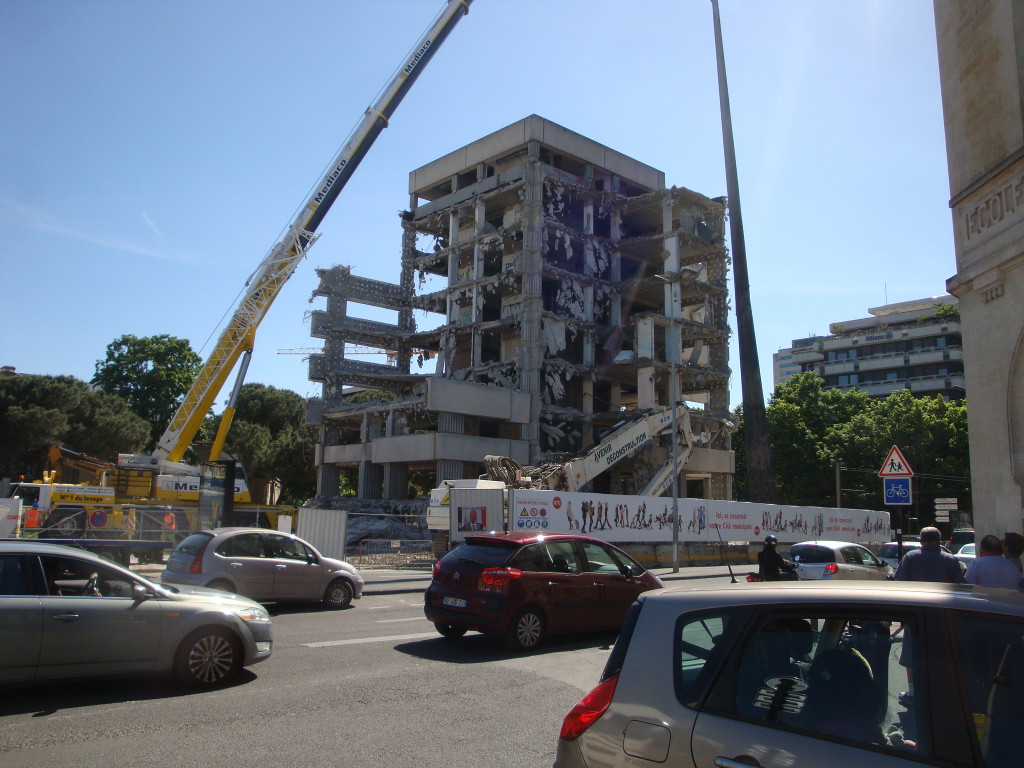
(966, 554)
(265, 565)
(889, 553)
(806, 674)
(836, 560)
(67, 613)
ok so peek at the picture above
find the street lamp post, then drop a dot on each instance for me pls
(675, 472)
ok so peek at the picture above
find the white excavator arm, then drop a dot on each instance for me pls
(623, 441)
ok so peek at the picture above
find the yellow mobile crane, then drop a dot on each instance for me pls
(104, 515)
(236, 340)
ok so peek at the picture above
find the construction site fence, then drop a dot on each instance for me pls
(388, 540)
(109, 522)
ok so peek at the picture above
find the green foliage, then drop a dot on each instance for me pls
(812, 429)
(947, 312)
(271, 439)
(39, 411)
(152, 373)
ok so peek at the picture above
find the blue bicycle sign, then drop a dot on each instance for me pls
(896, 490)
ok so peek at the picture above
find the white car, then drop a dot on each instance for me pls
(966, 554)
(836, 560)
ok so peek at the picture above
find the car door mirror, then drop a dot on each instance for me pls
(626, 571)
(139, 593)
(311, 558)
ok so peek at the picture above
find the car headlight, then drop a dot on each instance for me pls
(253, 614)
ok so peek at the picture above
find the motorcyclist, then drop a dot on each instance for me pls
(770, 564)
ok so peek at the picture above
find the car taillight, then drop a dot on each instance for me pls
(589, 709)
(197, 562)
(499, 577)
(435, 574)
(831, 569)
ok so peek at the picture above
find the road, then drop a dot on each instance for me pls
(372, 685)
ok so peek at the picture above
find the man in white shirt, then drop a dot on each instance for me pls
(990, 568)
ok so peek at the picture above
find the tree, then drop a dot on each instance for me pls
(152, 373)
(272, 440)
(813, 429)
(39, 411)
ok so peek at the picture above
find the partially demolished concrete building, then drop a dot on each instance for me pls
(568, 289)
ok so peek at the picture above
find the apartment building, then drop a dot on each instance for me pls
(549, 287)
(915, 345)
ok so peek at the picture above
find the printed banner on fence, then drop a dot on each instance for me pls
(649, 519)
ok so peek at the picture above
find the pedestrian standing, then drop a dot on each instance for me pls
(990, 568)
(930, 562)
(1013, 548)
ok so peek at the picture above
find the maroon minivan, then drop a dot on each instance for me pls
(524, 586)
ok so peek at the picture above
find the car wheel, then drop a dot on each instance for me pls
(69, 523)
(450, 631)
(221, 586)
(208, 657)
(338, 594)
(526, 630)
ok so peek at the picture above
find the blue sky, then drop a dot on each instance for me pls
(152, 153)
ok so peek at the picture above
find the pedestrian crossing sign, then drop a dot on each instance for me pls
(895, 465)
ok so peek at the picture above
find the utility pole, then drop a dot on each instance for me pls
(760, 471)
(675, 470)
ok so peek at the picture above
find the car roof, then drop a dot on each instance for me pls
(925, 594)
(529, 538)
(832, 544)
(240, 529)
(27, 546)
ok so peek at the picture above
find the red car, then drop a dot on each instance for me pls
(525, 586)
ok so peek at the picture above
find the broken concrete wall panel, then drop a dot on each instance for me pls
(553, 335)
(569, 299)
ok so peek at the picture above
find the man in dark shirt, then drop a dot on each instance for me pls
(930, 562)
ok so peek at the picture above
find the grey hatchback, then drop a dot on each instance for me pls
(67, 613)
(808, 673)
(265, 565)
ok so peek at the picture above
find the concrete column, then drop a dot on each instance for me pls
(478, 343)
(588, 408)
(615, 396)
(453, 264)
(407, 280)
(447, 469)
(645, 393)
(452, 423)
(371, 476)
(326, 474)
(531, 265)
(396, 481)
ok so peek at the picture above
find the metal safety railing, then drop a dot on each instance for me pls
(390, 553)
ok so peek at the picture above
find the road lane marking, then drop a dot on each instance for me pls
(393, 621)
(363, 640)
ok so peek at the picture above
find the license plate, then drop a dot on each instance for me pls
(454, 602)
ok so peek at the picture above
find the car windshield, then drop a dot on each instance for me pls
(888, 550)
(194, 544)
(967, 549)
(485, 554)
(810, 553)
